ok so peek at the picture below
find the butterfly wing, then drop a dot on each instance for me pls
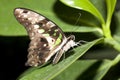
(46, 37)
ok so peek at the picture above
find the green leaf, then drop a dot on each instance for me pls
(106, 27)
(88, 29)
(88, 69)
(110, 8)
(85, 5)
(50, 71)
(79, 70)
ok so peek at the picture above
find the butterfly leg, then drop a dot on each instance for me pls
(58, 56)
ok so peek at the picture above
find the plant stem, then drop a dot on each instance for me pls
(108, 38)
(114, 43)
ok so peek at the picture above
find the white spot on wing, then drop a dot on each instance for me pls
(32, 38)
(35, 44)
(29, 18)
(41, 18)
(29, 28)
(36, 26)
(45, 45)
(50, 24)
(18, 11)
(32, 34)
(25, 16)
(40, 31)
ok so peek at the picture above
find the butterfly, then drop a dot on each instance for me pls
(47, 39)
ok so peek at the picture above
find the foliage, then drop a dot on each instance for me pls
(77, 17)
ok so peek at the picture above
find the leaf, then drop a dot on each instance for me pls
(50, 71)
(110, 8)
(88, 29)
(78, 70)
(85, 5)
(88, 69)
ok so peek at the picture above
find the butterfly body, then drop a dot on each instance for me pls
(47, 39)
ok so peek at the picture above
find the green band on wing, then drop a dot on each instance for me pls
(54, 34)
(41, 30)
(58, 40)
(46, 35)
